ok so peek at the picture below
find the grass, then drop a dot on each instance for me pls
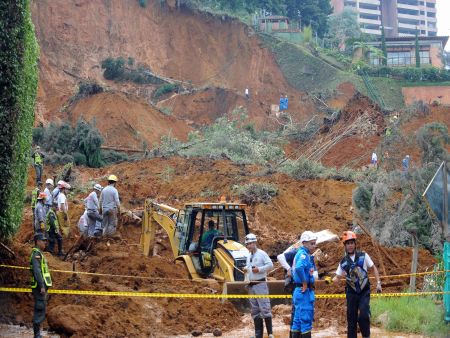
(410, 314)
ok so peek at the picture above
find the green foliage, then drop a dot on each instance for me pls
(433, 138)
(344, 28)
(112, 156)
(418, 315)
(417, 50)
(60, 141)
(312, 13)
(383, 47)
(88, 88)
(256, 192)
(307, 34)
(165, 89)
(115, 69)
(19, 53)
(413, 74)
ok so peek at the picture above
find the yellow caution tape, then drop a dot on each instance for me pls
(207, 296)
(185, 279)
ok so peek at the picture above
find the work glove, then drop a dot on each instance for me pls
(42, 226)
(379, 287)
(328, 280)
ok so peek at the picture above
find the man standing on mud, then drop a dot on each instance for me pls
(304, 275)
(38, 162)
(39, 214)
(110, 204)
(354, 268)
(258, 264)
(40, 282)
(93, 216)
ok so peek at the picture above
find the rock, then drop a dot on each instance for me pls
(70, 319)
(338, 216)
(314, 205)
(217, 332)
(196, 333)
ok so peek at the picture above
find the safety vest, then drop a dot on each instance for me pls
(34, 196)
(44, 269)
(357, 278)
(37, 158)
(51, 216)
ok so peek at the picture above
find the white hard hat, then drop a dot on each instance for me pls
(49, 181)
(250, 238)
(65, 185)
(61, 182)
(308, 236)
(98, 187)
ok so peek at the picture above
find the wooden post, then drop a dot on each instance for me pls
(415, 256)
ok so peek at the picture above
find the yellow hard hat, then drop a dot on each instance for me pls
(112, 178)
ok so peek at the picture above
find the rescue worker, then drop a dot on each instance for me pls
(40, 282)
(304, 274)
(209, 235)
(39, 214)
(354, 268)
(55, 191)
(257, 266)
(63, 208)
(34, 196)
(53, 230)
(92, 206)
(110, 206)
(38, 162)
(48, 192)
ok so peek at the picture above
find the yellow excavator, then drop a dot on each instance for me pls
(204, 236)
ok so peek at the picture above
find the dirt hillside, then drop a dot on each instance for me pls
(185, 45)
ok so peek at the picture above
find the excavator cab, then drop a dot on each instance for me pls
(207, 237)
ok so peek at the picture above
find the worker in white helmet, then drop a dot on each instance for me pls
(110, 206)
(48, 192)
(93, 215)
(257, 267)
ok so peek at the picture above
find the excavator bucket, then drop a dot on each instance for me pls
(276, 287)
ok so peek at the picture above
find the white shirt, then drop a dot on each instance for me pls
(92, 201)
(246, 91)
(374, 157)
(49, 197)
(109, 198)
(368, 263)
(261, 260)
(62, 200)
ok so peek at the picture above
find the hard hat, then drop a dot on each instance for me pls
(112, 178)
(250, 238)
(348, 235)
(49, 181)
(40, 237)
(308, 236)
(98, 187)
(37, 147)
(42, 195)
(66, 185)
(61, 182)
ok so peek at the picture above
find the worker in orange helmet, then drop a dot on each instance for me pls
(353, 267)
(39, 213)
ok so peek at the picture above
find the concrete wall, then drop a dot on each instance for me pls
(426, 94)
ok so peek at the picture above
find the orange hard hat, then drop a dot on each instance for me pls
(42, 196)
(348, 235)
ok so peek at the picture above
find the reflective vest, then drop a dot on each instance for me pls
(37, 158)
(357, 278)
(44, 269)
(34, 196)
(51, 218)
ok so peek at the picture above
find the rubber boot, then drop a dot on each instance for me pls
(296, 334)
(259, 327)
(60, 250)
(306, 335)
(268, 322)
(37, 330)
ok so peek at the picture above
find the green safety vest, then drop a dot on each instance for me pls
(34, 196)
(51, 215)
(37, 158)
(44, 270)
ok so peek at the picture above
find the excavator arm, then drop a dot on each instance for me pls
(158, 214)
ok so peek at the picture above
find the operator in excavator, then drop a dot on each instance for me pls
(304, 275)
(208, 236)
(354, 267)
(257, 266)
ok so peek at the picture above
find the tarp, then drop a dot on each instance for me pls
(284, 103)
(447, 280)
(322, 236)
(434, 194)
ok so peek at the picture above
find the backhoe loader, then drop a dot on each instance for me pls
(206, 238)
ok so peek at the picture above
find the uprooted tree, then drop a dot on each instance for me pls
(19, 53)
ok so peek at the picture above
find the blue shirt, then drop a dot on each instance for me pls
(303, 267)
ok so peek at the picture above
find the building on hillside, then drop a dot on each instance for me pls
(401, 51)
(279, 26)
(399, 17)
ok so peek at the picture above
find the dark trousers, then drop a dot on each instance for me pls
(358, 312)
(40, 305)
(38, 169)
(54, 237)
